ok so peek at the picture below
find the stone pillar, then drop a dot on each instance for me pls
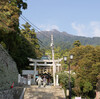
(34, 72)
(19, 78)
(57, 80)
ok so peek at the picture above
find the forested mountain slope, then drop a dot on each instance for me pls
(65, 40)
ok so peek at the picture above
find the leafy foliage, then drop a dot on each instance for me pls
(18, 45)
(77, 43)
(30, 36)
(9, 15)
(87, 68)
(64, 81)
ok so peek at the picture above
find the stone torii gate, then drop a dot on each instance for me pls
(36, 62)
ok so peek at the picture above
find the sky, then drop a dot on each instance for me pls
(76, 17)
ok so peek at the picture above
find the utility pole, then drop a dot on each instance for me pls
(54, 66)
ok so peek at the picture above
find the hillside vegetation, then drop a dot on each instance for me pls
(65, 40)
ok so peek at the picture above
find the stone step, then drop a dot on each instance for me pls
(49, 92)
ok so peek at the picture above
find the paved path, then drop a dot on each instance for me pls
(50, 92)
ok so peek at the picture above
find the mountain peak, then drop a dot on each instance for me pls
(63, 39)
(56, 32)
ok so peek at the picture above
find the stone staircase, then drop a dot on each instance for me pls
(49, 92)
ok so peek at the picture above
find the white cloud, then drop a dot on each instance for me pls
(48, 27)
(96, 28)
(79, 28)
(90, 30)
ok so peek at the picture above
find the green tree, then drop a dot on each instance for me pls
(30, 35)
(64, 81)
(9, 14)
(77, 43)
(11, 38)
(87, 67)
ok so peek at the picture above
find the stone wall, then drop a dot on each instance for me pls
(14, 93)
(8, 70)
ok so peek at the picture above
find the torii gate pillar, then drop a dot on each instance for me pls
(34, 71)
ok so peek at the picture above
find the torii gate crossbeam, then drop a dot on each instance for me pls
(36, 62)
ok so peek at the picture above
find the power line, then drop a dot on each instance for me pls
(22, 28)
(19, 26)
(38, 39)
(17, 32)
(26, 20)
(34, 26)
